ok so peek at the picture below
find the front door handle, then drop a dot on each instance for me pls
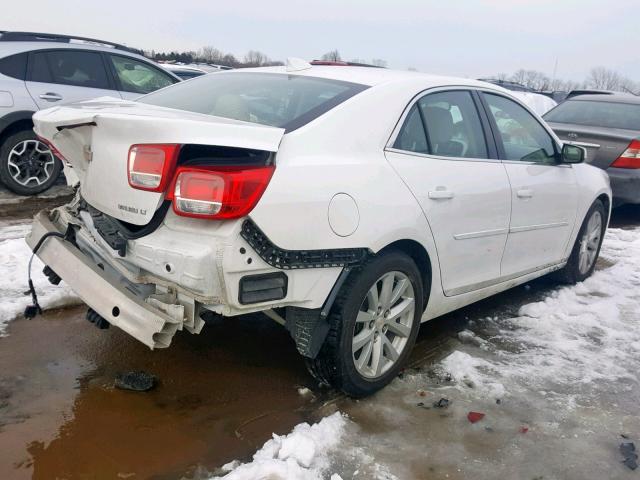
(51, 97)
(525, 193)
(440, 194)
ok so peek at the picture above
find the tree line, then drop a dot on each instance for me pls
(599, 78)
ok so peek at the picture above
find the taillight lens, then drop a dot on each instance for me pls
(218, 192)
(630, 158)
(150, 166)
(53, 149)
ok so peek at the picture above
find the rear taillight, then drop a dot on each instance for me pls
(218, 192)
(630, 158)
(149, 167)
(53, 149)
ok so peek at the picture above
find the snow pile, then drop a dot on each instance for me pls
(301, 455)
(14, 257)
(578, 335)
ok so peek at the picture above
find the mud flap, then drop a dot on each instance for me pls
(308, 329)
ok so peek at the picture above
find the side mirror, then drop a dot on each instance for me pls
(573, 153)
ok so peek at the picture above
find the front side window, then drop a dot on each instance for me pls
(452, 125)
(81, 69)
(597, 113)
(278, 100)
(138, 77)
(523, 137)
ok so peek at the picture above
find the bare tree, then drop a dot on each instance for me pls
(210, 54)
(332, 56)
(253, 58)
(379, 62)
(603, 79)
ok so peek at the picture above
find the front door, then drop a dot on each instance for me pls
(442, 154)
(544, 195)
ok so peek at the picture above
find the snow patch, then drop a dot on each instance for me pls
(576, 336)
(303, 454)
(14, 257)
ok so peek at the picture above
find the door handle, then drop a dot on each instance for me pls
(525, 193)
(51, 97)
(440, 194)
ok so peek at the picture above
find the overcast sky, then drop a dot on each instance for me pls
(469, 38)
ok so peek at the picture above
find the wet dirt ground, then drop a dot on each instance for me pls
(220, 394)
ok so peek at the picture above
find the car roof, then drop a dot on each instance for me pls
(613, 98)
(372, 76)
(11, 48)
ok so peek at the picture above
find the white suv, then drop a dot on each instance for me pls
(39, 70)
(347, 203)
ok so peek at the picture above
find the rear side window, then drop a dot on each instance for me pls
(81, 69)
(278, 100)
(139, 77)
(453, 127)
(522, 136)
(14, 66)
(597, 114)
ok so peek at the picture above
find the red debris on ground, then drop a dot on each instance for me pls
(474, 417)
(524, 429)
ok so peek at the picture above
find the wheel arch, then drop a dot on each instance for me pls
(15, 122)
(418, 253)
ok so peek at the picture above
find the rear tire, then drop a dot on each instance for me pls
(27, 166)
(371, 332)
(584, 255)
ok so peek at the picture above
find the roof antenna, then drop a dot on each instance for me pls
(296, 64)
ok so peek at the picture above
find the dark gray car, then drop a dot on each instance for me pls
(608, 126)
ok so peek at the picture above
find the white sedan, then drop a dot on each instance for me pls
(349, 204)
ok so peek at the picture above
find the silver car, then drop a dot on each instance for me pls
(43, 70)
(608, 126)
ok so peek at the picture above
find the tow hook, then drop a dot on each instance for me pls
(95, 318)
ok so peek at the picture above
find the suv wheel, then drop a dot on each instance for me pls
(373, 326)
(585, 251)
(27, 166)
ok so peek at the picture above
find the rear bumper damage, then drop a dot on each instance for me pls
(219, 271)
(142, 320)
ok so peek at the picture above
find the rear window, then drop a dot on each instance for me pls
(14, 66)
(278, 100)
(597, 114)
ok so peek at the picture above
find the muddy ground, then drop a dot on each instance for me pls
(220, 394)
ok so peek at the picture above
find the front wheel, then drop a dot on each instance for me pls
(27, 166)
(582, 261)
(373, 326)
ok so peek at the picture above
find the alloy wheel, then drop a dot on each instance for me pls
(30, 163)
(590, 242)
(383, 325)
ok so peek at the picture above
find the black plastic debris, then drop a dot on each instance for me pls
(628, 451)
(136, 381)
(422, 405)
(442, 403)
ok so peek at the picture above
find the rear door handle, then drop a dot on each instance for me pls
(51, 97)
(440, 194)
(525, 193)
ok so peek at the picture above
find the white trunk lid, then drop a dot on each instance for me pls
(95, 138)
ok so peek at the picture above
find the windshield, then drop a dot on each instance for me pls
(597, 114)
(278, 100)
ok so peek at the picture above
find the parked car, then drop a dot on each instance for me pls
(184, 72)
(349, 204)
(608, 126)
(39, 70)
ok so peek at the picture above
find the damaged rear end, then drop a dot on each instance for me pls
(154, 235)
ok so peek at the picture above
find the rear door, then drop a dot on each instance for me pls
(135, 77)
(544, 196)
(443, 154)
(63, 76)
